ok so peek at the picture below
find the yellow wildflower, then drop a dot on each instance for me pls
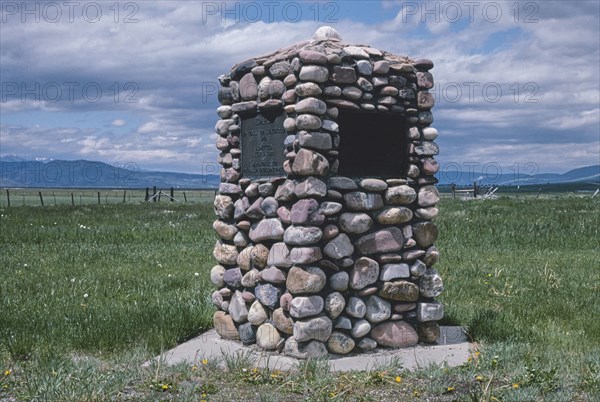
(7, 372)
(516, 385)
(205, 361)
(450, 389)
(479, 378)
(164, 387)
(477, 354)
(194, 368)
(398, 379)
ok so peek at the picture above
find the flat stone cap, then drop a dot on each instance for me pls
(326, 33)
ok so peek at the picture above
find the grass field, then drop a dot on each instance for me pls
(90, 292)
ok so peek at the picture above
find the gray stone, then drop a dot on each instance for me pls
(333, 91)
(427, 213)
(334, 304)
(314, 73)
(427, 148)
(433, 311)
(431, 284)
(268, 295)
(244, 107)
(247, 334)
(418, 268)
(248, 87)
(285, 301)
(373, 184)
(394, 271)
(318, 328)
(343, 75)
(352, 93)
(396, 334)
(381, 67)
(267, 336)
(412, 254)
(400, 195)
(241, 206)
(429, 332)
(224, 326)
(311, 105)
(330, 126)
(237, 308)
(429, 133)
(359, 201)
(340, 343)
(280, 69)
(283, 322)
(306, 212)
(351, 222)
(364, 272)
(329, 208)
(330, 231)
(428, 196)
(216, 276)
(425, 100)
(304, 350)
(308, 122)
(394, 215)
(223, 205)
(360, 328)
(229, 189)
(309, 280)
(377, 309)
(403, 307)
(273, 275)
(257, 314)
(425, 233)
(285, 191)
(356, 52)
(326, 33)
(316, 140)
(343, 323)
(248, 296)
(339, 247)
(383, 241)
(367, 345)
(339, 281)
(365, 84)
(424, 80)
(364, 67)
(302, 235)
(430, 166)
(250, 279)
(255, 211)
(307, 163)
(342, 183)
(399, 291)
(267, 229)
(233, 277)
(224, 230)
(432, 256)
(356, 307)
(311, 187)
(306, 306)
(269, 206)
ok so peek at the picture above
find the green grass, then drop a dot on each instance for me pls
(521, 275)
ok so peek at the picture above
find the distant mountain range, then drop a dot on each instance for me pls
(42, 172)
(15, 172)
(507, 177)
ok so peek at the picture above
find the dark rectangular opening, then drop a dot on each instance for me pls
(372, 145)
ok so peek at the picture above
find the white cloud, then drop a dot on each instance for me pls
(119, 123)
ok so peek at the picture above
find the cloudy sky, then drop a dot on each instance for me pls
(517, 83)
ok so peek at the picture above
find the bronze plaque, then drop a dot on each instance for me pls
(263, 148)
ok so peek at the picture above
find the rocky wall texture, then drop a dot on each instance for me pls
(312, 263)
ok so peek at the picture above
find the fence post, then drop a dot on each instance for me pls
(124, 193)
(172, 194)
(453, 191)
(41, 198)
(154, 193)
(72, 199)
(54, 197)
(474, 189)
(184, 196)
(147, 194)
(98, 197)
(8, 197)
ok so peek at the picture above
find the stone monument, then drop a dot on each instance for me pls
(326, 200)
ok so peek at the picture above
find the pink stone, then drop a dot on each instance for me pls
(397, 334)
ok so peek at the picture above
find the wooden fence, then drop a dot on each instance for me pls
(84, 196)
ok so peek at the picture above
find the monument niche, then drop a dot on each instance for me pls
(327, 196)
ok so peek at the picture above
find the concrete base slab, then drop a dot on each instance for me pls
(452, 349)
